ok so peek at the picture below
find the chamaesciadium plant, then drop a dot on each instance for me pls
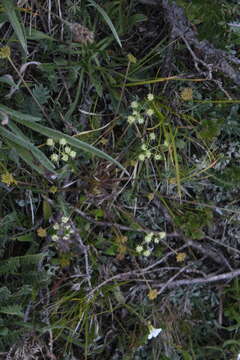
(119, 180)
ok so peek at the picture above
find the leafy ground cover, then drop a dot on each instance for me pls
(119, 171)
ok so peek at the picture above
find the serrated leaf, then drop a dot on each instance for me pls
(41, 93)
(12, 310)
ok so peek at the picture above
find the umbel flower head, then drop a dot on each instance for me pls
(7, 178)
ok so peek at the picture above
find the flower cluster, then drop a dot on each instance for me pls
(62, 233)
(141, 111)
(7, 178)
(147, 246)
(64, 151)
(5, 52)
(147, 150)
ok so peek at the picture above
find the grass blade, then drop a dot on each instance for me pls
(9, 8)
(107, 19)
(23, 143)
(18, 114)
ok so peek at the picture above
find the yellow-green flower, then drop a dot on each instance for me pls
(8, 179)
(180, 257)
(153, 293)
(5, 52)
(41, 232)
(53, 189)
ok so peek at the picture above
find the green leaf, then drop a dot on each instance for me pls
(25, 238)
(107, 19)
(47, 210)
(4, 331)
(9, 8)
(21, 145)
(34, 34)
(7, 79)
(18, 114)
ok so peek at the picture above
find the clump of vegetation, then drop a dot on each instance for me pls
(119, 180)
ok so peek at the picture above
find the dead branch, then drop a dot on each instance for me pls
(204, 54)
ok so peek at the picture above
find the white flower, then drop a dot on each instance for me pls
(65, 157)
(162, 235)
(148, 237)
(152, 136)
(139, 249)
(73, 154)
(140, 120)
(147, 253)
(64, 219)
(131, 119)
(62, 141)
(54, 157)
(55, 238)
(148, 154)
(150, 97)
(67, 149)
(141, 157)
(134, 104)
(50, 142)
(144, 147)
(149, 112)
(153, 332)
(56, 226)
